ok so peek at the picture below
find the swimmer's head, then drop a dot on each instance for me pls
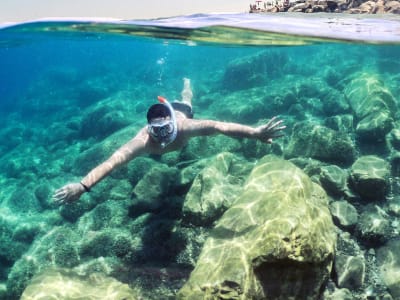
(161, 122)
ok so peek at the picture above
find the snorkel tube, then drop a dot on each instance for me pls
(166, 132)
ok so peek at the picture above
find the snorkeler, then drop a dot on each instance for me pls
(169, 128)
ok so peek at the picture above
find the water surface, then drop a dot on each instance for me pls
(73, 91)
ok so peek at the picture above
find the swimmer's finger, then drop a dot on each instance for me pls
(271, 121)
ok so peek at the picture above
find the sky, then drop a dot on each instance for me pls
(26, 10)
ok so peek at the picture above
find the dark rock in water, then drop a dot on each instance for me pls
(373, 226)
(394, 138)
(138, 168)
(334, 102)
(350, 271)
(18, 278)
(155, 185)
(375, 126)
(388, 259)
(23, 201)
(344, 214)
(43, 195)
(395, 163)
(321, 143)
(373, 105)
(75, 210)
(369, 177)
(334, 180)
(213, 190)
(276, 242)
(11, 248)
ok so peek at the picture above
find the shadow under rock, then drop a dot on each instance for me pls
(161, 243)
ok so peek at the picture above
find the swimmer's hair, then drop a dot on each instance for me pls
(158, 111)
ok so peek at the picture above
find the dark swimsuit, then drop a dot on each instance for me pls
(184, 108)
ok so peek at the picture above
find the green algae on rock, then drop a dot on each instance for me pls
(373, 227)
(276, 242)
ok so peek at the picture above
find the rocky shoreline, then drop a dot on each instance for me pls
(334, 6)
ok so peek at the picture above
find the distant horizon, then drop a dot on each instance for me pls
(14, 11)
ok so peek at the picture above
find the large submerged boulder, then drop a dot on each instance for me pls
(388, 258)
(373, 105)
(320, 142)
(369, 177)
(277, 241)
(214, 189)
(66, 284)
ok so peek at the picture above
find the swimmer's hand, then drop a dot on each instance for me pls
(269, 131)
(68, 193)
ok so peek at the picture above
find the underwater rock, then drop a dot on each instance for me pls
(388, 258)
(373, 226)
(369, 177)
(344, 214)
(248, 72)
(320, 142)
(105, 243)
(23, 201)
(213, 190)
(334, 102)
(11, 248)
(334, 180)
(373, 105)
(338, 294)
(395, 163)
(394, 138)
(138, 168)
(189, 173)
(87, 159)
(276, 242)
(155, 185)
(66, 284)
(19, 276)
(342, 123)
(375, 126)
(58, 247)
(107, 215)
(350, 271)
(43, 194)
(73, 211)
(102, 121)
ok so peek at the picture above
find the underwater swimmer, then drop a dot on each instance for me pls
(169, 128)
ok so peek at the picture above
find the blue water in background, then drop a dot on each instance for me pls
(55, 74)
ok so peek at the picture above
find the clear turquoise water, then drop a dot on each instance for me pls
(66, 86)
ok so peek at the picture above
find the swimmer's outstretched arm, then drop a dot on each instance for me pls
(265, 133)
(72, 191)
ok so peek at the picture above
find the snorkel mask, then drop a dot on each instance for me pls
(162, 122)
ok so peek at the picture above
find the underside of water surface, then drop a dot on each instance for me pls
(314, 214)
